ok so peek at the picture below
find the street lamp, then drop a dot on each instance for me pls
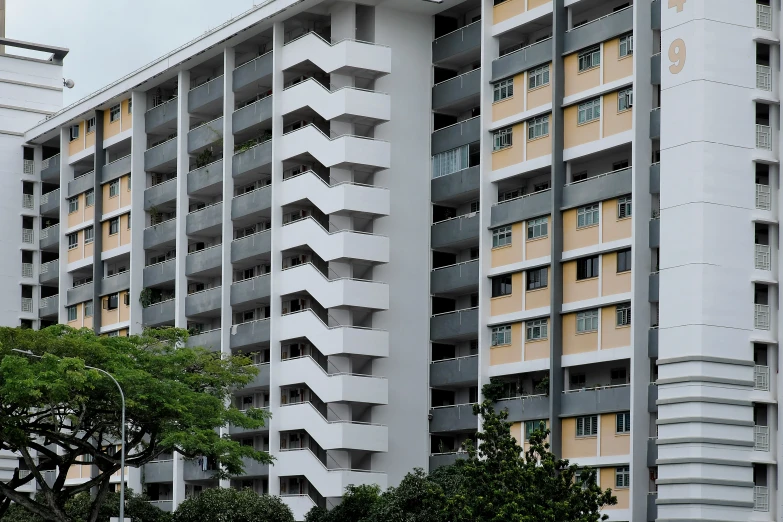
(122, 429)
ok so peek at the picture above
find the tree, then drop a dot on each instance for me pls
(176, 398)
(231, 505)
(77, 508)
(357, 505)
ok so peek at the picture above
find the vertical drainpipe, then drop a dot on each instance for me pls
(559, 26)
(97, 265)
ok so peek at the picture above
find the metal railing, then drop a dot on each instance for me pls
(28, 167)
(27, 270)
(764, 17)
(599, 18)
(763, 137)
(763, 197)
(598, 176)
(761, 438)
(761, 317)
(761, 498)
(28, 201)
(761, 378)
(28, 235)
(521, 197)
(597, 387)
(27, 304)
(763, 257)
(763, 78)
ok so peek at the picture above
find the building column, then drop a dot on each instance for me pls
(97, 264)
(66, 173)
(138, 258)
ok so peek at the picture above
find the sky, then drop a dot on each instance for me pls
(111, 38)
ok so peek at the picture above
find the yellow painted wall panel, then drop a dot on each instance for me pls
(614, 228)
(513, 154)
(77, 145)
(611, 442)
(516, 432)
(89, 250)
(537, 248)
(505, 355)
(537, 299)
(89, 140)
(576, 82)
(125, 193)
(539, 146)
(532, 4)
(127, 117)
(515, 104)
(124, 308)
(613, 336)
(574, 447)
(125, 235)
(623, 494)
(511, 253)
(506, 10)
(540, 95)
(536, 350)
(612, 282)
(573, 342)
(615, 121)
(574, 290)
(616, 68)
(110, 204)
(109, 241)
(573, 237)
(575, 134)
(509, 303)
(110, 128)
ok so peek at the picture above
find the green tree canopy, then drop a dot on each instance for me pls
(78, 507)
(176, 398)
(231, 505)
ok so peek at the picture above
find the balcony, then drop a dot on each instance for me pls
(208, 177)
(81, 184)
(206, 96)
(252, 116)
(252, 73)
(162, 157)
(49, 272)
(763, 197)
(521, 208)
(333, 293)
(654, 287)
(761, 438)
(250, 333)
(236, 430)
(251, 203)
(162, 117)
(209, 339)
(116, 169)
(207, 221)
(457, 135)
(761, 378)
(50, 238)
(456, 232)
(159, 273)
(342, 197)
(28, 235)
(48, 307)
(160, 194)
(343, 103)
(163, 505)
(463, 184)
(461, 324)
(598, 188)
(253, 469)
(50, 204)
(763, 260)
(526, 408)
(28, 201)
(158, 471)
(655, 232)
(158, 314)
(331, 246)
(254, 160)
(349, 57)
(655, 178)
(253, 290)
(462, 371)
(197, 471)
(344, 151)
(764, 17)
(261, 380)
(438, 460)
(458, 47)
(655, 124)
(603, 399)
(655, 69)
(160, 234)
(761, 317)
(251, 246)
(27, 270)
(205, 135)
(334, 340)
(332, 387)
(458, 93)
(206, 260)
(453, 418)
(27, 305)
(79, 294)
(203, 302)
(761, 498)
(522, 60)
(599, 30)
(50, 169)
(652, 342)
(28, 167)
(115, 283)
(459, 278)
(763, 137)
(329, 482)
(763, 78)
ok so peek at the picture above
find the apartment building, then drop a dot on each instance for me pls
(289, 184)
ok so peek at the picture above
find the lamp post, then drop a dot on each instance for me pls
(122, 429)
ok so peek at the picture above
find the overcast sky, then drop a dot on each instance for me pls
(110, 38)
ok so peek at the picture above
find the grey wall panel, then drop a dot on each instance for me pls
(202, 302)
(249, 290)
(115, 283)
(160, 194)
(456, 325)
(456, 89)
(79, 294)
(252, 115)
(251, 333)
(456, 43)
(208, 217)
(116, 169)
(205, 177)
(251, 203)
(157, 472)
(526, 408)
(457, 278)
(455, 231)
(164, 114)
(655, 124)
(205, 94)
(159, 234)
(251, 246)
(258, 157)
(50, 203)
(457, 184)
(453, 418)
(655, 178)
(205, 135)
(50, 308)
(160, 156)
(534, 205)
(160, 273)
(522, 60)
(203, 260)
(454, 372)
(601, 188)
(158, 314)
(457, 135)
(253, 72)
(591, 402)
(50, 170)
(81, 184)
(599, 31)
(209, 340)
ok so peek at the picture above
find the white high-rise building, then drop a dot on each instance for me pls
(389, 202)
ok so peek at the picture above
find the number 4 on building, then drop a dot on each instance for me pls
(679, 4)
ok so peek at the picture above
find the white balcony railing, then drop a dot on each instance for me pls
(27, 304)
(761, 378)
(763, 78)
(46, 302)
(763, 197)
(28, 235)
(28, 167)
(761, 438)
(27, 270)
(761, 317)
(28, 201)
(763, 257)
(764, 17)
(763, 137)
(761, 498)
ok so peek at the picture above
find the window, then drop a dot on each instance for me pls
(130, 106)
(579, 176)
(587, 426)
(624, 314)
(589, 111)
(624, 99)
(111, 302)
(129, 183)
(538, 127)
(586, 268)
(622, 477)
(74, 132)
(589, 58)
(503, 89)
(114, 226)
(126, 298)
(624, 260)
(624, 207)
(91, 125)
(578, 380)
(537, 278)
(626, 45)
(501, 285)
(73, 204)
(73, 240)
(536, 329)
(450, 161)
(88, 309)
(128, 220)
(114, 188)
(587, 216)
(537, 228)
(502, 139)
(509, 195)
(532, 426)
(89, 235)
(538, 77)
(114, 113)
(618, 376)
(501, 237)
(474, 206)
(623, 423)
(89, 198)
(71, 310)
(587, 321)
(501, 335)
